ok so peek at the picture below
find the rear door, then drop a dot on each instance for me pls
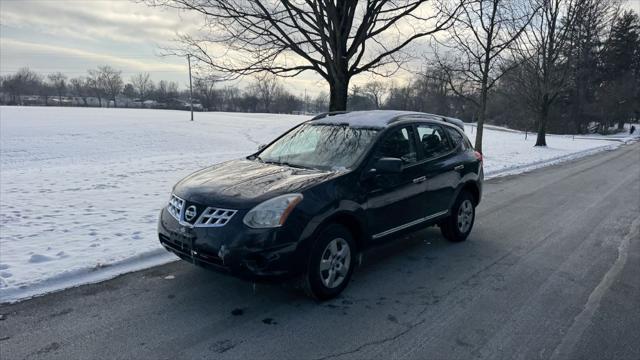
(394, 200)
(440, 167)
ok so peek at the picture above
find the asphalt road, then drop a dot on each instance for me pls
(551, 270)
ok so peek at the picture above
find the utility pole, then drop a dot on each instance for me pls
(190, 87)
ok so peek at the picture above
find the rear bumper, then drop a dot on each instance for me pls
(250, 254)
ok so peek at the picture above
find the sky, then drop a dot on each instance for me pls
(72, 36)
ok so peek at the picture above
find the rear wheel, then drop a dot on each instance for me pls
(458, 225)
(331, 263)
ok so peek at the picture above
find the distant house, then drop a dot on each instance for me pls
(63, 101)
(32, 100)
(149, 104)
(177, 104)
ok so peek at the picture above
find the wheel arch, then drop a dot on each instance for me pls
(352, 220)
(473, 189)
(352, 224)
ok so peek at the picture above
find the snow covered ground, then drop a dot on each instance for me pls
(507, 152)
(80, 189)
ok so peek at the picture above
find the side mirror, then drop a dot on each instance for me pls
(388, 165)
(261, 146)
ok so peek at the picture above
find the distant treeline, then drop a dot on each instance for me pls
(105, 87)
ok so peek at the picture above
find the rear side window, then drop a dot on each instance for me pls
(466, 144)
(398, 144)
(433, 140)
(456, 137)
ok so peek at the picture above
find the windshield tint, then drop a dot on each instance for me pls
(320, 146)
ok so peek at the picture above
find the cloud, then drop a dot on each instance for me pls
(120, 21)
(26, 48)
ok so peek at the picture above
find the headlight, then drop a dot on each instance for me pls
(273, 212)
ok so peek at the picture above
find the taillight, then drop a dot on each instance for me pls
(478, 155)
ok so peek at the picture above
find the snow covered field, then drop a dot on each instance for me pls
(80, 189)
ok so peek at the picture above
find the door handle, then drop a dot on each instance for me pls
(459, 167)
(419, 179)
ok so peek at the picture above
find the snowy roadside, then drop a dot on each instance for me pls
(511, 152)
(80, 189)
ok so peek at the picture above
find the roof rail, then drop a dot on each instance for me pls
(329, 113)
(408, 115)
(454, 121)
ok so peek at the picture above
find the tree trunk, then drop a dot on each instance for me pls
(339, 89)
(479, 131)
(541, 140)
(481, 118)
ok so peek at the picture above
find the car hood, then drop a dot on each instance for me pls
(241, 184)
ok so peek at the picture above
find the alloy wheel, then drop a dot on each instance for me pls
(335, 263)
(465, 216)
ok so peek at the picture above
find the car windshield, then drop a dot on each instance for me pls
(326, 147)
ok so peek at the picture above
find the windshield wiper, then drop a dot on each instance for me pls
(284, 163)
(292, 165)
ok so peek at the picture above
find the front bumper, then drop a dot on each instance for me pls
(234, 249)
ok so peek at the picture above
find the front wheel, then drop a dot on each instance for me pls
(458, 225)
(331, 263)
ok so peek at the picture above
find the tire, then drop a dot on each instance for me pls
(458, 225)
(335, 251)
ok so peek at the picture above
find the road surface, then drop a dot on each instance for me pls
(551, 271)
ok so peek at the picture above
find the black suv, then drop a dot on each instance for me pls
(307, 204)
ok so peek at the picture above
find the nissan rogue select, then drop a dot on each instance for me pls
(305, 205)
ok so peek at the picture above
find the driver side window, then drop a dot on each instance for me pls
(398, 144)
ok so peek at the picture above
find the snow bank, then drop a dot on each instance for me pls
(80, 189)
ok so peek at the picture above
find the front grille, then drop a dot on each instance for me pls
(214, 217)
(210, 217)
(175, 207)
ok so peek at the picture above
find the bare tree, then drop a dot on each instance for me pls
(231, 96)
(167, 90)
(337, 39)
(206, 92)
(433, 91)
(21, 83)
(79, 87)
(376, 90)
(94, 85)
(477, 43)
(110, 81)
(266, 87)
(321, 102)
(143, 85)
(58, 82)
(543, 70)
